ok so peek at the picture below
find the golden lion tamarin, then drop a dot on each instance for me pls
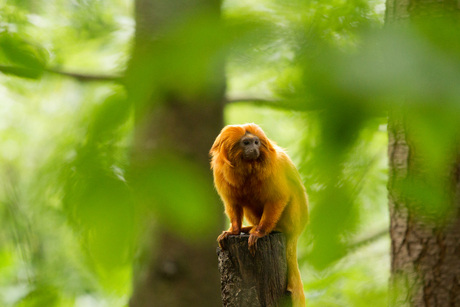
(256, 179)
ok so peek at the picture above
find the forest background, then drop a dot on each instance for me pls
(108, 109)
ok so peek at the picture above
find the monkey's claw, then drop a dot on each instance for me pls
(221, 238)
(224, 235)
(252, 242)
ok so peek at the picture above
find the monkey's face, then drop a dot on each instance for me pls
(241, 143)
(250, 145)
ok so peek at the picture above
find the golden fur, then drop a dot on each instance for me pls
(267, 191)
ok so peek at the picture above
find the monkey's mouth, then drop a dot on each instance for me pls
(251, 156)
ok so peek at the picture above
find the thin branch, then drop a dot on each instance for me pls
(368, 240)
(86, 77)
(285, 104)
(35, 73)
(353, 246)
(251, 99)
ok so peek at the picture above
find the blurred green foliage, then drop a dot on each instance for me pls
(325, 75)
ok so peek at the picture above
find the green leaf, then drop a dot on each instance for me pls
(30, 58)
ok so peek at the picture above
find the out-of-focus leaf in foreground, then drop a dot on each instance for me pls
(21, 58)
(97, 198)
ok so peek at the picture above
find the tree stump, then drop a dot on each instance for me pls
(254, 281)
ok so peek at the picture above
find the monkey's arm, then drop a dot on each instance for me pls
(235, 214)
(270, 216)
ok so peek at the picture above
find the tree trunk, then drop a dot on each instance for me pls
(175, 119)
(425, 243)
(254, 281)
(425, 253)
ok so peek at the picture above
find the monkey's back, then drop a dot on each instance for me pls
(295, 214)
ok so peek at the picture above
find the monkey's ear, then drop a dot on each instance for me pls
(269, 144)
(219, 149)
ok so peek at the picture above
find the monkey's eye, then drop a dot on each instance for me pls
(246, 142)
(256, 142)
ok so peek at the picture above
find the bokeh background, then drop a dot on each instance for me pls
(108, 109)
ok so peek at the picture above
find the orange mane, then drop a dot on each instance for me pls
(225, 151)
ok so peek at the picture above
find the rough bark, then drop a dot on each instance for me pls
(173, 270)
(254, 281)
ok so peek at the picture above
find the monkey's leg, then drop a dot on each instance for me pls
(295, 285)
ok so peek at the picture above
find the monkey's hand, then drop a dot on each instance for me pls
(225, 234)
(253, 240)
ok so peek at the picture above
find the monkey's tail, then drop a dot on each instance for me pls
(295, 285)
